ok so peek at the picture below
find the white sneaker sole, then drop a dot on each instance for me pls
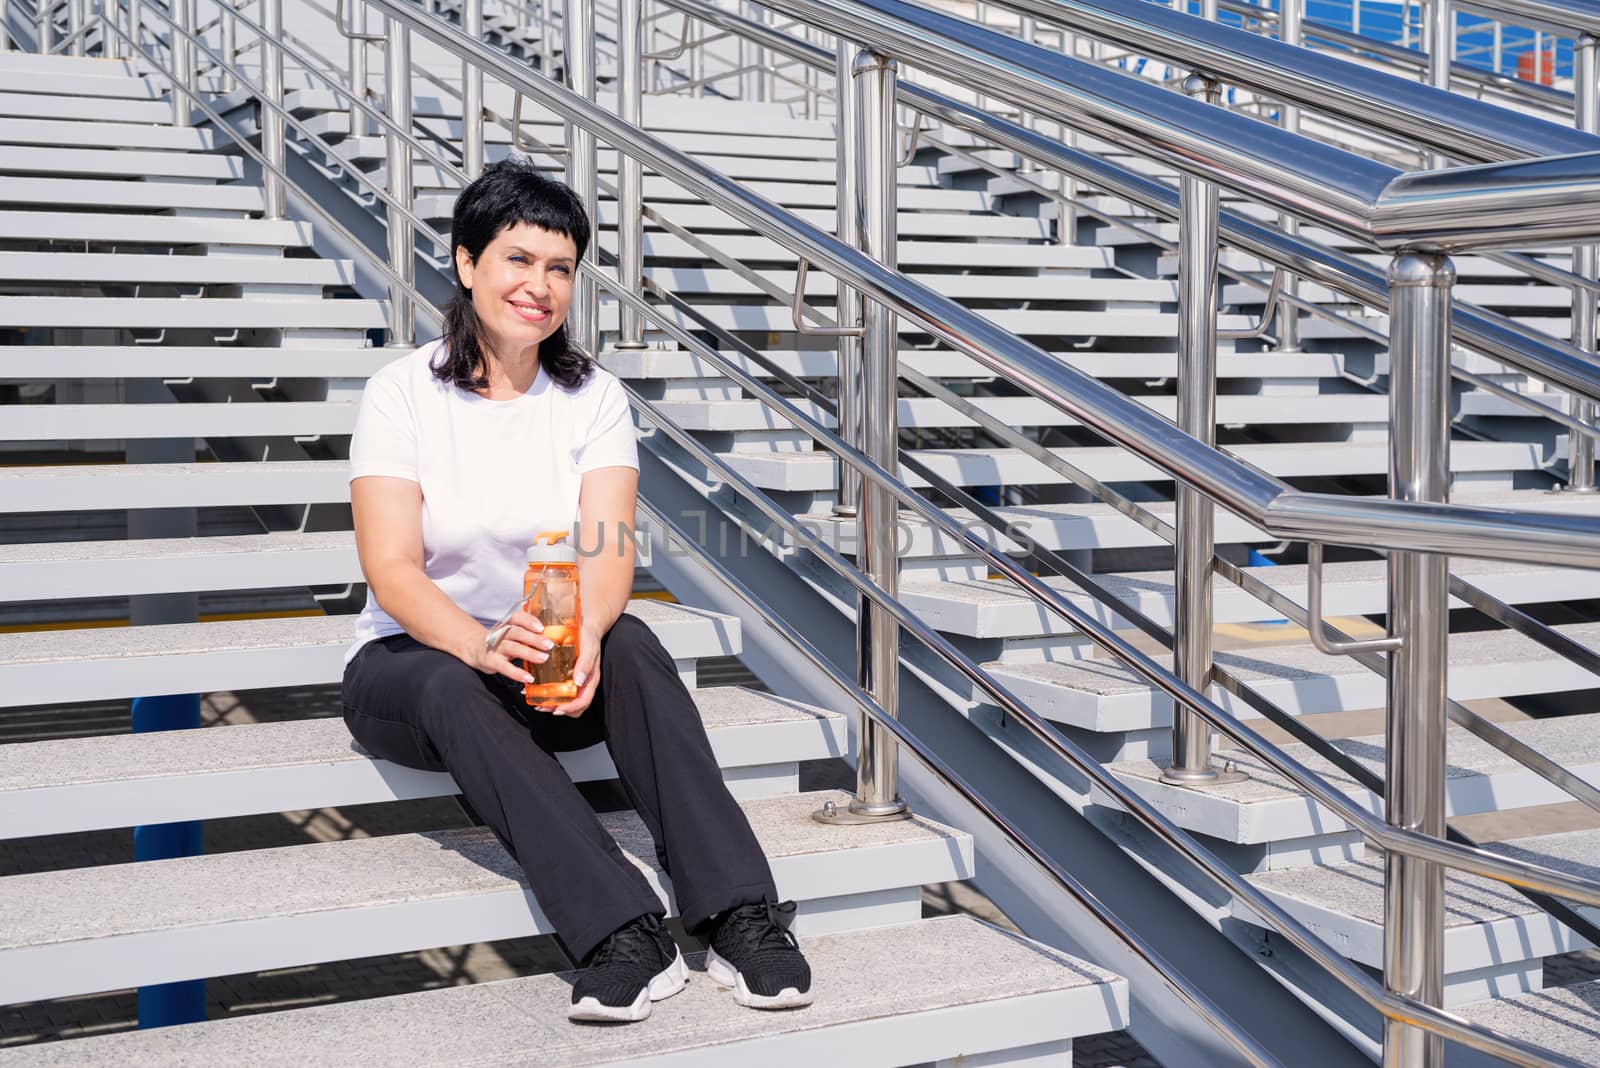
(724, 974)
(669, 981)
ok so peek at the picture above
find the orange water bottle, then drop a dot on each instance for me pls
(550, 587)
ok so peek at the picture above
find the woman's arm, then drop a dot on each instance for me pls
(388, 520)
(607, 504)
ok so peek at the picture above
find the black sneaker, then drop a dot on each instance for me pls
(639, 963)
(752, 951)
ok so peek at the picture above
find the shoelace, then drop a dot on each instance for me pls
(631, 945)
(763, 926)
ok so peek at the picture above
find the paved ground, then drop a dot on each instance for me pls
(239, 995)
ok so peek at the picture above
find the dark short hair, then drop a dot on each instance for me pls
(507, 193)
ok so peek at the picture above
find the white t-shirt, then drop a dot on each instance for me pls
(493, 473)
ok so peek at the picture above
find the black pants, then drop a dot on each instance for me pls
(415, 705)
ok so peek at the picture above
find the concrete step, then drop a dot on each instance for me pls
(926, 412)
(57, 66)
(1494, 939)
(1266, 808)
(58, 84)
(1000, 287)
(27, 159)
(980, 467)
(286, 907)
(94, 664)
(951, 989)
(83, 487)
(90, 193)
(73, 422)
(984, 608)
(41, 571)
(1141, 323)
(260, 363)
(220, 313)
(912, 254)
(103, 134)
(82, 784)
(678, 363)
(1562, 1019)
(1103, 696)
(84, 108)
(220, 270)
(159, 230)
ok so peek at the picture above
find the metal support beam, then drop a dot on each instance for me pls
(472, 94)
(584, 318)
(1585, 262)
(272, 126)
(630, 173)
(1419, 470)
(848, 312)
(878, 636)
(402, 241)
(1197, 416)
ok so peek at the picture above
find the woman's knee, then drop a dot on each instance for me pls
(631, 640)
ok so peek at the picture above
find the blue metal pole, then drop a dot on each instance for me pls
(183, 1002)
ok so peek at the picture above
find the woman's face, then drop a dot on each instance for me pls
(521, 286)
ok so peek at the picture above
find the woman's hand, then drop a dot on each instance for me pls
(586, 675)
(523, 640)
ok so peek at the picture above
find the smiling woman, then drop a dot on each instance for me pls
(463, 450)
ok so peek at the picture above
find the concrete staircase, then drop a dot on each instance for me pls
(155, 315)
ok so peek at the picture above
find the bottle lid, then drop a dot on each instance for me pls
(550, 548)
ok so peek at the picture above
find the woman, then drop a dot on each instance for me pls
(463, 451)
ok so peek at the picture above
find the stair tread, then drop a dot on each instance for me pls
(56, 190)
(15, 131)
(221, 269)
(30, 159)
(54, 362)
(51, 422)
(261, 313)
(862, 979)
(452, 887)
(79, 784)
(81, 487)
(1562, 1019)
(165, 230)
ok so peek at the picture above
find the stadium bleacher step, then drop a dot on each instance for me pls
(243, 654)
(91, 107)
(219, 313)
(131, 163)
(983, 608)
(1267, 808)
(1558, 1018)
(701, 280)
(259, 363)
(1101, 695)
(221, 270)
(80, 784)
(54, 191)
(296, 905)
(56, 422)
(100, 134)
(939, 989)
(1494, 939)
(815, 473)
(200, 485)
(158, 230)
(912, 254)
(13, 79)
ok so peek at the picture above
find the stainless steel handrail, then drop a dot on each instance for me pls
(1488, 333)
(1562, 17)
(1353, 978)
(1455, 126)
(1457, 529)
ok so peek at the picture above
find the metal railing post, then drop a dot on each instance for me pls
(1441, 42)
(1289, 32)
(1419, 470)
(547, 43)
(848, 311)
(878, 636)
(108, 10)
(359, 125)
(182, 60)
(472, 94)
(77, 14)
(402, 242)
(272, 126)
(581, 166)
(1585, 262)
(135, 20)
(630, 173)
(229, 46)
(1197, 416)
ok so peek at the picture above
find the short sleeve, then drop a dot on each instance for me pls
(385, 438)
(609, 440)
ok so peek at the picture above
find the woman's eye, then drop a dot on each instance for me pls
(519, 259)
(563, 268)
